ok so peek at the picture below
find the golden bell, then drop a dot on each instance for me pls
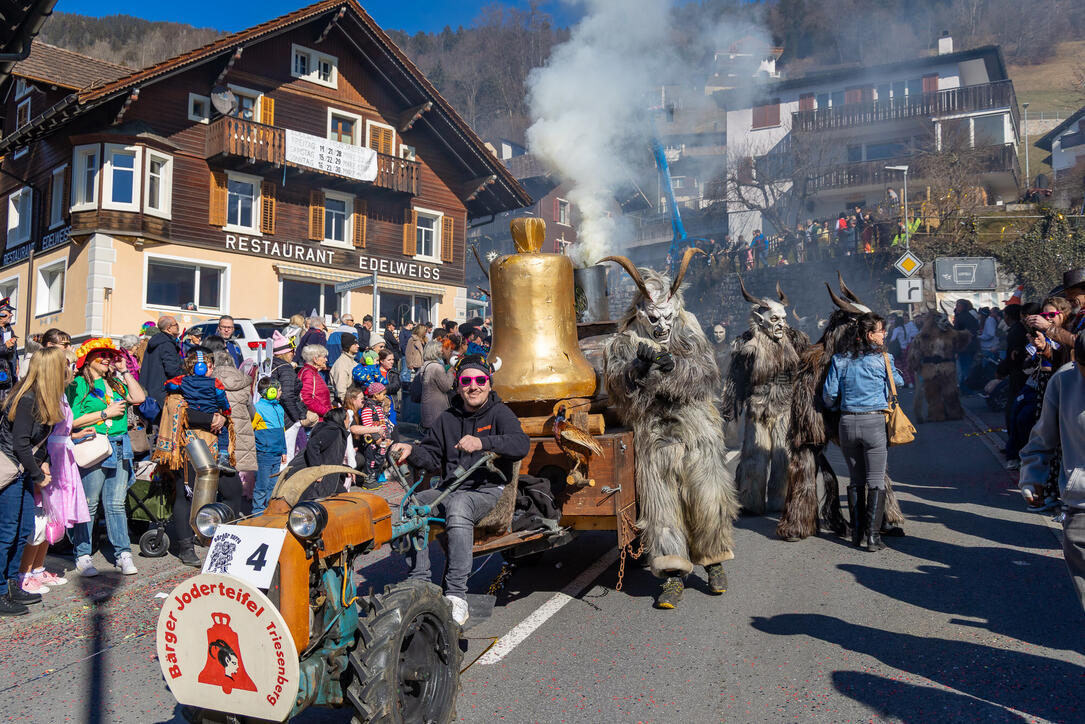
(535, 322)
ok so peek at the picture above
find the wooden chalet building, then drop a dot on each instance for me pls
(129, 195)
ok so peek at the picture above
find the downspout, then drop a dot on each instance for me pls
(35, 225)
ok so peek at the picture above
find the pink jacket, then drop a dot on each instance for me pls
(315, 394)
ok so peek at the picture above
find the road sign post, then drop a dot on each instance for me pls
(359, 283)
(909, 291)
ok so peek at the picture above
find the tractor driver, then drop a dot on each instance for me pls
(475, 423)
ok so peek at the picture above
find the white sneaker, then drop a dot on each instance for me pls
(460, 612)
(85, 566)
(124, 562)
(1013, 464)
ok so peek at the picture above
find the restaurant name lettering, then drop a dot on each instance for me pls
(326, 257)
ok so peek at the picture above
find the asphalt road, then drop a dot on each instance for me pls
(971, 617)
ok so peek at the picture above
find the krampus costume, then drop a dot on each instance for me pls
(763, 367)
(812, 428)
(932, 354)
(661, 377)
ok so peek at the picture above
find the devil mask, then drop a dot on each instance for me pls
(768, 314)
(659, 305)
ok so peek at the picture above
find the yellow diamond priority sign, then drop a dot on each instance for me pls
(908, 264)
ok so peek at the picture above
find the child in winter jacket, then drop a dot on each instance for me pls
(202, 392)
(376, 432)
(269, 428)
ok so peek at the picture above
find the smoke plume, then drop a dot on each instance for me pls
(591, 103)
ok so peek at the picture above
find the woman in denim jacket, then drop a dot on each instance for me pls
(858, 386)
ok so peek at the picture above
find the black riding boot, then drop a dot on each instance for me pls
(187, 553)
(17, 595)
(857, 510)
(9, 607)
(872, 538)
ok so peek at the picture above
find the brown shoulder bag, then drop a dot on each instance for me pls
(899, 430)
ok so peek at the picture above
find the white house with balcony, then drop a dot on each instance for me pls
(856, 120)
(1066, 143)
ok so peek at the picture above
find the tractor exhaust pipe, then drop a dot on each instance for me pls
(205, 487)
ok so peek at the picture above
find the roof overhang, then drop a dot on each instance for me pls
(22, 22)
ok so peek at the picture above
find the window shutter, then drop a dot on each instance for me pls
(47, 205)
(267, 207)
(66, 205)
(267, 110)
(806, 102)
(217, 213)
(359, 222)
(382, 140)
(557, 211)
(448, 224)
(316, 215)
(930, 83)
(410, 223)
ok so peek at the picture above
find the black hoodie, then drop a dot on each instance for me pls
(493, 423)
(161, 362)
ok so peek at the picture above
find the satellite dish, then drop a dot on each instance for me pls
(224, 100)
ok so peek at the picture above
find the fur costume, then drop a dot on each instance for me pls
(759, 383)
(933, 354)
(813, 428)
(686, 496)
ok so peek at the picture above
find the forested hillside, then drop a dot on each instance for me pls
(482, 69)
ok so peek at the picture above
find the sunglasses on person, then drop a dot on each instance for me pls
(479, 381)
(1049, 315)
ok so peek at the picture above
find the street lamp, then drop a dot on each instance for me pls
(907, 229)
(1028, 183)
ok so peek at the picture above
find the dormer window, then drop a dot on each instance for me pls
(315, 67)
(21, 88)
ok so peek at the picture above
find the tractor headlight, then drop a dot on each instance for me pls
(211, 516)
(308, 519)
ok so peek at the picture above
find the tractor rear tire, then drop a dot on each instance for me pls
(405, 666)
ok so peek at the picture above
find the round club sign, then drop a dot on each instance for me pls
(223, 646)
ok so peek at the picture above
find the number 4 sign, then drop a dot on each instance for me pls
(244, 552)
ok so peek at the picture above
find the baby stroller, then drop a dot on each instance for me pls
(150, 500)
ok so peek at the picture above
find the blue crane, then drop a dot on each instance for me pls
(681, 238)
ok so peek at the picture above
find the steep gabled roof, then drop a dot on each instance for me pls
(503, 193)
(65, 68)
(1048, 138)
(22, 21)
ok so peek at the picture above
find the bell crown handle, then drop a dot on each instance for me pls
(528, 234)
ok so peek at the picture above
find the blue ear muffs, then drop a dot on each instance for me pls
(200, 368)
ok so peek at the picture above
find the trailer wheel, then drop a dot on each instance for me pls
(405, 666)
(154, 543)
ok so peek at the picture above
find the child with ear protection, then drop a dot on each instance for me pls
(269, 427)
(201, 391)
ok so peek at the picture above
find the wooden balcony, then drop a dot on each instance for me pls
(255, 143)
(968, 99)
(991, 160)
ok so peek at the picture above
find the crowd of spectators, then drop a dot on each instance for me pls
(297, 405)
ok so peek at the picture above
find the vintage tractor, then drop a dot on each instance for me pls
(285, 628)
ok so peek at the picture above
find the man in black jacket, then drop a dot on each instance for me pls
(477, 422)
(162, 360)
(284, 372)
(363, 331)
(9, 349)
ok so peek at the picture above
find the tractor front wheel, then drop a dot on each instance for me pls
(405, 666)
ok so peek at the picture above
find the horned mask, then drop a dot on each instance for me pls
(768, 314)
(659, 305)
(850, 302)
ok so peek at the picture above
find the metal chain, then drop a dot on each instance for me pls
(629, 526)
(499, 581)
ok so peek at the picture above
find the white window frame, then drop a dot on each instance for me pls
(438, 217)
(359, 125)
(56, 196)
(568, 212)
(342, 300)
(15, 199)
(256, 201)
(314, 58)
(79, 176)
(22, 88)
(224, 287)
(39, 287)
(13, 282)
(348, 222)
(29, 110)
(192, 114)
(369, 123)
(107, 177)
(408, 152)
(252, 93)
(165, 186)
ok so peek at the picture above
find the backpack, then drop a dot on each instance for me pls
(416, 386)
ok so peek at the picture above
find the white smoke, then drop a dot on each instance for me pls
(590, 106)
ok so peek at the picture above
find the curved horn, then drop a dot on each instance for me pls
(290, 489)
(746, 295)
(796, 315)
(842, 304)
(631, 269)
(783, 297)
(686, 258)
(844, 288)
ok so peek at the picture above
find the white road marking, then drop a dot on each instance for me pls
(539, 616)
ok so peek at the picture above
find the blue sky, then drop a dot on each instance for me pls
(409, 15)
